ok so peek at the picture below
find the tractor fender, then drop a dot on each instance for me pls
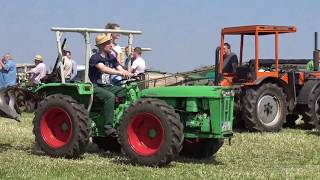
(279, 81)
(288, 91)
(306, 90)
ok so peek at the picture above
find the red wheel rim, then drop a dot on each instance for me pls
(145, 134)
(56, 127)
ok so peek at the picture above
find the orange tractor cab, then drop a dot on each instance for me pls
(270, 92)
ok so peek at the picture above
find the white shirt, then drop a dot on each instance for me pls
(67, 67)
(139, 65)
(116, 50)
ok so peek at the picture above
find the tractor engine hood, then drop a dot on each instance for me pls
(188, 91)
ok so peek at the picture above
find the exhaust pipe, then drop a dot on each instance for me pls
(216, 66)
(316, 53)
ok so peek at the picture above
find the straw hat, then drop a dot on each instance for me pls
(38, 58)
(102, 38)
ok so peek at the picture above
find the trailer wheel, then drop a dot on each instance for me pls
(200, 148)
(311, 114)
(150, 132)
(61, 126)
(264, 108)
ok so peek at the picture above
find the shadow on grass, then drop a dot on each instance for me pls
(9, 147)
(212, 160)
(313, 132)
(118, 158)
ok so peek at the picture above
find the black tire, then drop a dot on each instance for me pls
(200, 149)
(270, 99)
(311, 114)
(107, 144)
(165, 132)
(53, 119)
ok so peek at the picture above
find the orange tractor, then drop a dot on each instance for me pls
(270, 92)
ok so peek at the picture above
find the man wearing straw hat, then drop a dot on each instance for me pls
(38, 72)
(101, 65)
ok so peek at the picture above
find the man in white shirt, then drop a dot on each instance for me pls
(138, 65)
(38, 72)
(116, 49)
(67, 65)
(70, 67)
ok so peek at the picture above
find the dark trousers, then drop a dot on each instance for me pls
(107, 94)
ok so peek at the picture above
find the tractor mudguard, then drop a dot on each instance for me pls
(82, 88)
(306, 90)
(81, 92)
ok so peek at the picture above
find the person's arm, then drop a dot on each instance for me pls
(105, 69)
(34, 70)
(8, 66)
(123, 72)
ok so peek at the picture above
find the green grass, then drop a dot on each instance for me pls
(286, 155)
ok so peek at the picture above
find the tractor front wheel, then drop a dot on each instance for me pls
(200, 148)
(151, 133)
(61, 126)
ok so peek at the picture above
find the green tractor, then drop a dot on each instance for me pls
(154, 125)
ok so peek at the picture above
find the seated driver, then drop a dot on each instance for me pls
(230, 62)
(101, 65)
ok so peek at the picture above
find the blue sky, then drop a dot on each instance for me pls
(182, 34)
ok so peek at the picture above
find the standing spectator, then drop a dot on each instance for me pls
(8, 71)
(116, 50)
(67, 65)
(138, 64)
(128, 61)
(74, 67)
(38, 72)
(310, 65)
(8, 77)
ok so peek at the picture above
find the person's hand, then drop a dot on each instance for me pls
(126, 74)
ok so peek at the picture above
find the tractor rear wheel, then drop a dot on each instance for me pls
(151, 132)
(61, 126)
(264, 108)
(311, 115)
(200, 148)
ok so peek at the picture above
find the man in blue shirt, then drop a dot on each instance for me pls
(101, 66)
(8, 72)
(8, 77)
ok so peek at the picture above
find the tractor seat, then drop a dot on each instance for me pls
(242, 73)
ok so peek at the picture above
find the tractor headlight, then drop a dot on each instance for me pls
(227, 93)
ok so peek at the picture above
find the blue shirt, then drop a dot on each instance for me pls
(95, 75)
(8, 74)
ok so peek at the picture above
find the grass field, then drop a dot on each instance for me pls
(285, 155)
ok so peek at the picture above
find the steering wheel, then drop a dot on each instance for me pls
(128, 81)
